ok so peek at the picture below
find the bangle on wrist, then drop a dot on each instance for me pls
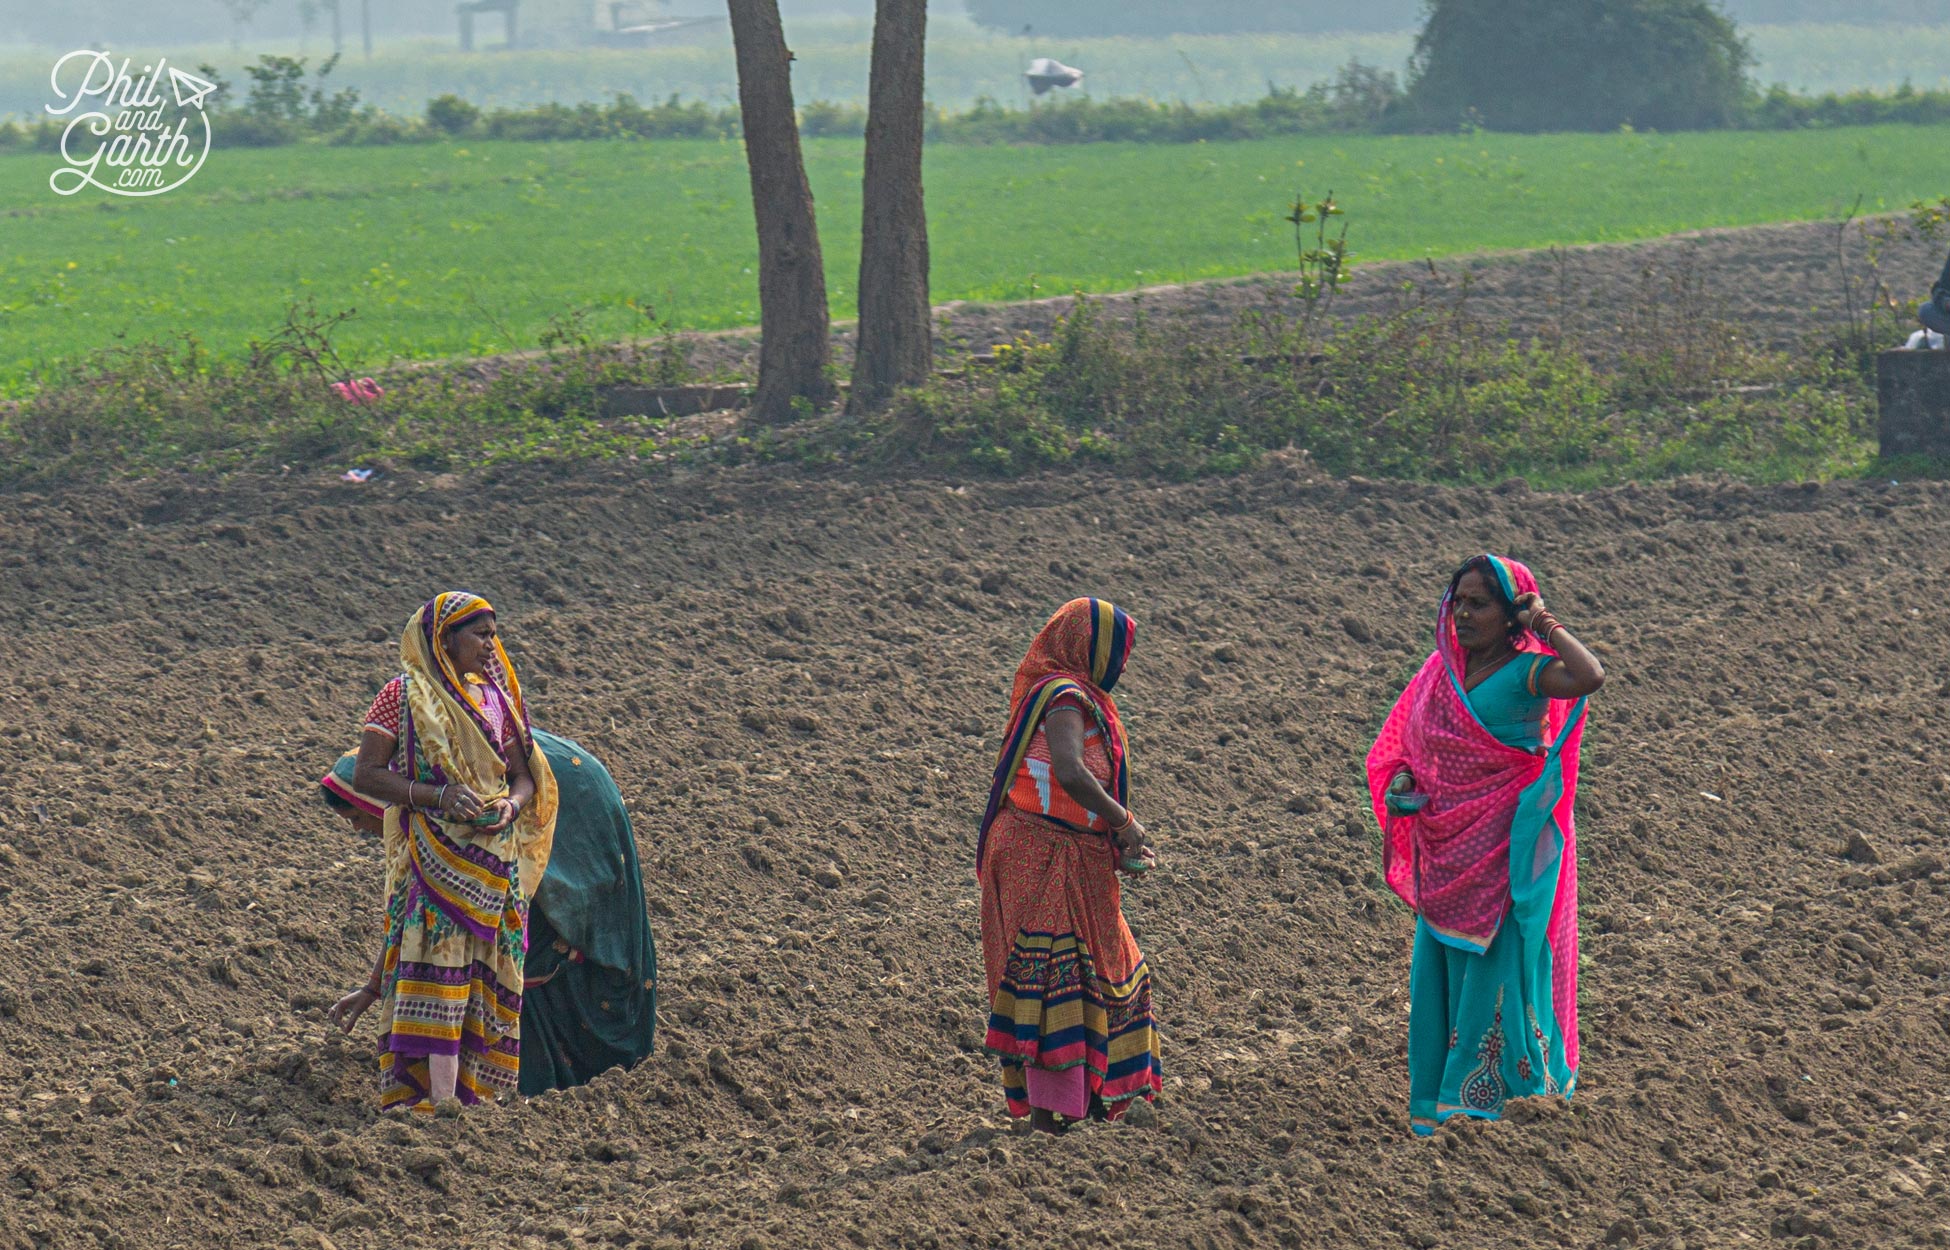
(1130, 818)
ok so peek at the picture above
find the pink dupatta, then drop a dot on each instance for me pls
(1497, 835)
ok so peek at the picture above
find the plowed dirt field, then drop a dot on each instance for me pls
(799, 683)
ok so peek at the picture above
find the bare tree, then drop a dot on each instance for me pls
(794, 326)
(896, 344)
(241, 12)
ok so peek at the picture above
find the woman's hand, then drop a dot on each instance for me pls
(1529, 606)
(1401, 798)
(462, 804)
(1134, 843)
(346, 1011)
(506, 810)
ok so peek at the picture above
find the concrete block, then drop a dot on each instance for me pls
(1913, 401)
(671, 401)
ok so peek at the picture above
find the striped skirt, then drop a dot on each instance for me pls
(447, 988)
(1069, 995)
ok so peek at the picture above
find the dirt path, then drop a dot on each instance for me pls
(790, 676)
(1779, 282)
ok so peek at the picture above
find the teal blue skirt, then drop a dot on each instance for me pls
(1481, 1029)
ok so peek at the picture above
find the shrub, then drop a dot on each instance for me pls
(672, 119)
(373, 128)
(1536, 65)
(251, 130)
(824, 119)
(279, 95)
(1781, 109)
(452, 115)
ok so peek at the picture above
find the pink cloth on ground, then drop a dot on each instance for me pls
(1062, 1092)
(1450, 862)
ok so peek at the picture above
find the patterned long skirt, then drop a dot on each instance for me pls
(1069, 994)
(447, 991)
(1480, 1030)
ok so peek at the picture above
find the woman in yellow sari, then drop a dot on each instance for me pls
(470, 817)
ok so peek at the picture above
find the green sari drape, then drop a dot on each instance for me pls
(583, 1016)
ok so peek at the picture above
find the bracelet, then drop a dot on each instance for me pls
(1130, 818)
(372, 988)
(409, 794)
(443, 795)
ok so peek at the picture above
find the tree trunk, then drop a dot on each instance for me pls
(896, 344)
(794, 349)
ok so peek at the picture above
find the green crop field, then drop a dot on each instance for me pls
(450, 249)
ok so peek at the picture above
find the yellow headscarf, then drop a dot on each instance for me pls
(444, 739)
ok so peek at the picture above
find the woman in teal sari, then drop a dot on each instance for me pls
(1474, 779)
(589, 999)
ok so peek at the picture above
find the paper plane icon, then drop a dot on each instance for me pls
(189, 89)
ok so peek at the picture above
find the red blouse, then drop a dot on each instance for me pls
(385, 713)
(1036, 790)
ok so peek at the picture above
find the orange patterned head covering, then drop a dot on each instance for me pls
(1081, 650)
(1087, 640)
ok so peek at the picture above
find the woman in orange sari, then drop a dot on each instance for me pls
(1069, 994)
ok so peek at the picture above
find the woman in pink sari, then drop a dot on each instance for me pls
(1474, 777)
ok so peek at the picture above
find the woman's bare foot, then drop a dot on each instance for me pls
(346, 1011)
(443, 1074)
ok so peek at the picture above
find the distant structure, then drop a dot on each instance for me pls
(631, 23)
(1046, 75)
(637, 23)
(471, 9)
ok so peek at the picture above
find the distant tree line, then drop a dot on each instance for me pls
(285, 103)
(1085, 18)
